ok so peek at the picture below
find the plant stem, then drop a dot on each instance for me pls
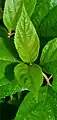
(10, 34)
(50, 77)
(47, 79)
(19, 95)
(11, 97)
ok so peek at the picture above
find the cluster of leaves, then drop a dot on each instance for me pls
(30, 26)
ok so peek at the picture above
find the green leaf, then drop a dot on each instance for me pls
(26, 39)
(9, 43)
(30, 6)
(4, 53)
(5, 58)
(5, 90)
(8, 83)
(29, 77)
(45, 17)
(9, 88)
(48, 60)
(12, 11)
(44, 110)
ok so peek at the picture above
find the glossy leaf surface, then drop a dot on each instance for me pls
(45, 18)
(30, 6)
(48, 60)
(44, 110)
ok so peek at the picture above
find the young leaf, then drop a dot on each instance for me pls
(39, 111)
(12, 13)
(30, 6)
(48, 60)
(26, 39)
(29, 77)
(45, 17)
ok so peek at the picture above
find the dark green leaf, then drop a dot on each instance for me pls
(45, 17)
(8, 42)
(2, 3)
(5, 59)
(8, 83)
(44, 110)
(30, 6)
(48, 60)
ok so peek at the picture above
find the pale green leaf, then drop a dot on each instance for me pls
(12, 11)
(29, 77)
(26, 39)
